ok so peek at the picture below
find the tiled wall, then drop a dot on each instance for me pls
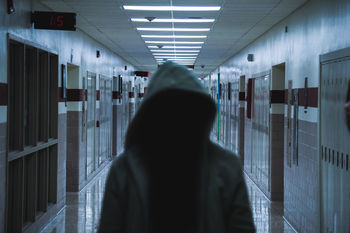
(276, 153)
(61, 158)
(74, 154)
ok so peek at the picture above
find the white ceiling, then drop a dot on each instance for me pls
(238, 23)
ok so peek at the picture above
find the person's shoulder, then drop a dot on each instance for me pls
(119, 163)
(223, 157)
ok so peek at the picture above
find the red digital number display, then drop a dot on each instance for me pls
(54, 20)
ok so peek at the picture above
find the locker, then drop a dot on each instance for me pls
(334, 142)
(260, 144)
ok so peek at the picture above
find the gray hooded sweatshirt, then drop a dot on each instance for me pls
(171, 177)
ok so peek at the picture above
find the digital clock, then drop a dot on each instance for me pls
(54, 20)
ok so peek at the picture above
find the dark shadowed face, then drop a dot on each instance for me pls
(178, 117)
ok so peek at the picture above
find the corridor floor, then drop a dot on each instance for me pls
(81, 213)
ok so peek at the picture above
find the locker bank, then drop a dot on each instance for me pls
(73, 74)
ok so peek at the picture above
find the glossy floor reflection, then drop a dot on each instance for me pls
(268, 216)
(82, 210)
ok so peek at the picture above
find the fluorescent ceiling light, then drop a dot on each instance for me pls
(172, 8)
(177, 51)
(173, 42)
(179, 54)
(168, 57)
(176, 59)
(173, 20)
(175, 29)
(172, 36)
(174, 47)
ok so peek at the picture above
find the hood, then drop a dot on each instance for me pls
(175, 103)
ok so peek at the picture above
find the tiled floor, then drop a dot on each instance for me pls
(82, 210)
(268, 217)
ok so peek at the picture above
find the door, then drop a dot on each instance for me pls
(91, 124)
(334, 143)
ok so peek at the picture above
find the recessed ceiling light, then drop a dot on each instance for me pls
(172, 20)
(173, 36)
(174, 47)
(179, 54)
(173, 42)
(179, 51)
(175, 29)
(172, 8)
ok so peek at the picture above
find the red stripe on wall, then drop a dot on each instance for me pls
(241, 96)
(98, 95)
(75, 94)
(311, 98)
(60, 95)
(3, 94)
(116, 95)
(277, 96)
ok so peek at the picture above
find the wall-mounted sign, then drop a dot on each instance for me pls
(54, 20)
(141, 73)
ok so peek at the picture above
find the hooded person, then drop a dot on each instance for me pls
(171, 177)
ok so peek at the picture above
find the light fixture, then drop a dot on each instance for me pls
(175, 53)
(168, 57)
(177, 58)
(175, 29)
(178, 51)
(155, 20)
(173, 42)
(173, 36)
(174, 47)
(172, 8)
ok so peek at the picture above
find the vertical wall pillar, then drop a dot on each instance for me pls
(277, 132)
(75, 125)
(3, 140)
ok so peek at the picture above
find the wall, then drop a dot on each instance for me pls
(316, 28)
(73, 47)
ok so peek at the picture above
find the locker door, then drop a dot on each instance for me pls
(91, 124)
(334, 144)
(260, 131)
